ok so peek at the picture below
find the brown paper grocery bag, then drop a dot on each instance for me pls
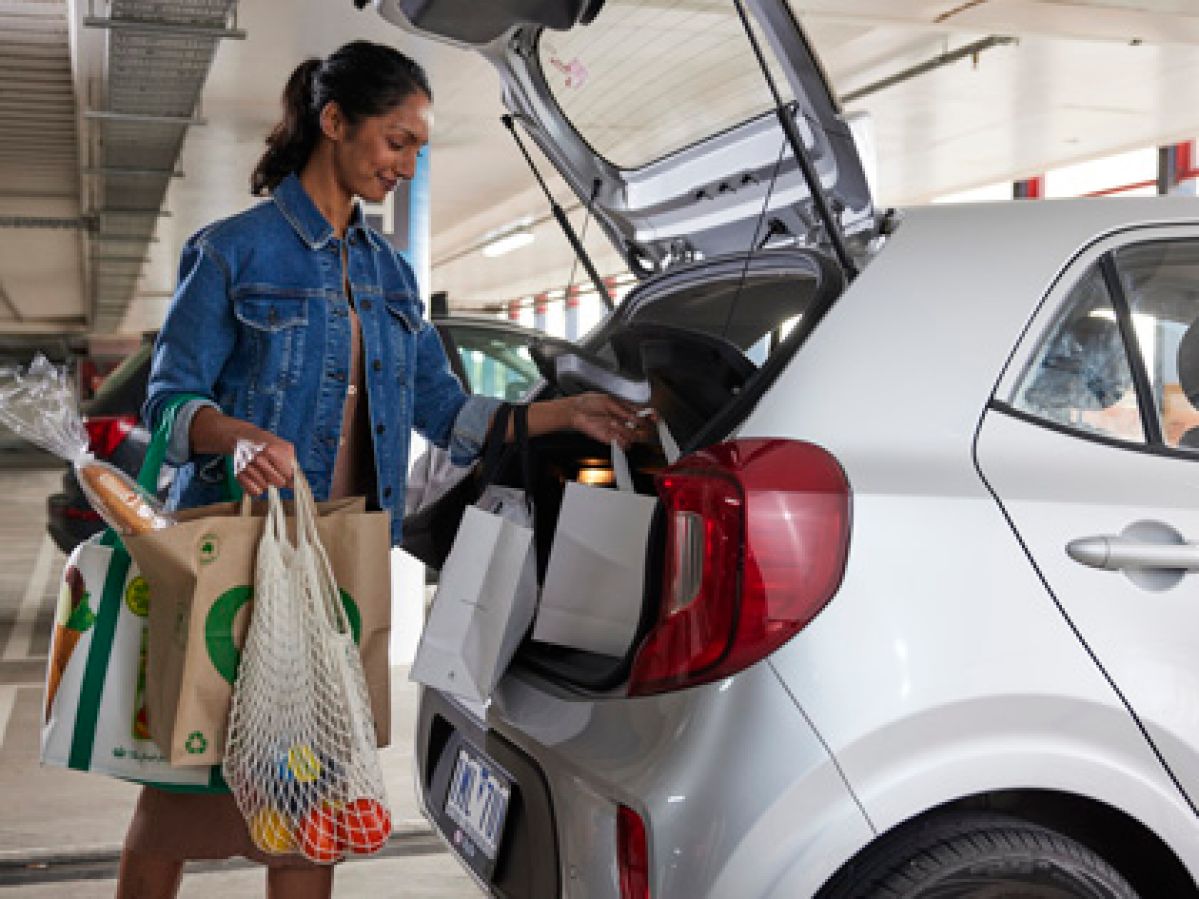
(200, 574)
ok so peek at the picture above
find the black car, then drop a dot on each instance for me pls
(490, 356)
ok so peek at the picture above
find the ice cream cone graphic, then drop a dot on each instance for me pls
(73, 617)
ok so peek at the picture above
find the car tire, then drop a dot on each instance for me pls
(978, 854)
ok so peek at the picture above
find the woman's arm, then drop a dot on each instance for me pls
(599, 416)
(214, 432)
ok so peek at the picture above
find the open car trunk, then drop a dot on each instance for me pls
(703, 342)
(739, 201)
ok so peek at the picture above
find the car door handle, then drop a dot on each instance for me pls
(1117, 553)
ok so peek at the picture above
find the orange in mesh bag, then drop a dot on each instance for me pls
(300, 756)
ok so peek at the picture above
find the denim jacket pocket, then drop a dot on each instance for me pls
(275, 329)
(404, 308)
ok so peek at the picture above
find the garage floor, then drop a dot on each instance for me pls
(60, 831)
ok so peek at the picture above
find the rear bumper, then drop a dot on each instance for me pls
(527, 863)
(737, 792)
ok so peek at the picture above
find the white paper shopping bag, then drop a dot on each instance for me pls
(483, 606)
(595, 583)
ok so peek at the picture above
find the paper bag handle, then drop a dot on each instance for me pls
(620, 462)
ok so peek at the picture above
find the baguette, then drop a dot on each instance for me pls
(118, 500)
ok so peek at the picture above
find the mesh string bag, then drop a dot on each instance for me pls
(300, 756)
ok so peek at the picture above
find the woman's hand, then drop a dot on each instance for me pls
(605, 418)
(260, 459)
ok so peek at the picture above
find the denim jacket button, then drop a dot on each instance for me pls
(366, 305)
(377, 365)
(387, 493)
(380, 428)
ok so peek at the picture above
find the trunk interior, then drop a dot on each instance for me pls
(708, 338)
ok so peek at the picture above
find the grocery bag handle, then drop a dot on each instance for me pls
(306, 534)
(496, 449)
(156, 452)
(620, 461)
(494, 445)
(520, 428)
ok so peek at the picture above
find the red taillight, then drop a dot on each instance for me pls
(105, 433)
(632, 854)
(757, 534)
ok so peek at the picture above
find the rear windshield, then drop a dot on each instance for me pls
(644, 80)
(755, 315)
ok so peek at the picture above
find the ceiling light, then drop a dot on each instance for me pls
(505, 241)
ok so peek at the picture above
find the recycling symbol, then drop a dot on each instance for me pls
(196, 743)
(210, 549)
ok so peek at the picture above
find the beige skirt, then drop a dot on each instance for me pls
(187, 826)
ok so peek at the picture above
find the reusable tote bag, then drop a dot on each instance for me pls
(487, 593)
(200, 577)
(301, 758)
(595, 580)
(95, 712)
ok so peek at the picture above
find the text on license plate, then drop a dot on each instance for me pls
(478, 801)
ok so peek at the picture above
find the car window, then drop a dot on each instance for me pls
(1161, 283)
(1081, 376)
(711, 85)
(497, 364)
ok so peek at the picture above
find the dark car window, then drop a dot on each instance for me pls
(1081, 377)
(124, 390)
(754, 313)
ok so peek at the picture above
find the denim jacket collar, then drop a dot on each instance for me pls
(310, 223)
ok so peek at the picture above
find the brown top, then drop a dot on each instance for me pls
(354, 467)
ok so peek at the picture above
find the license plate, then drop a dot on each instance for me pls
(477, 800)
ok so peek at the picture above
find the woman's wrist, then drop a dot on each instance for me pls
(548, 416)
(212, 431)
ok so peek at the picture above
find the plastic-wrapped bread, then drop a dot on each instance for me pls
(40, 405)
(120, 501)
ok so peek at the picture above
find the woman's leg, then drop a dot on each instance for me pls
(147, 875)
(299, 883)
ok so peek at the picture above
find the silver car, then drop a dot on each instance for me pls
(918, 616)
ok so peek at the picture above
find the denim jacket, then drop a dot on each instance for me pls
(260, 327)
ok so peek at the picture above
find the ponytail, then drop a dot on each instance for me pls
(290, 142)
(362, 78)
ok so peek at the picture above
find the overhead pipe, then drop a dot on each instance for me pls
(943, 59)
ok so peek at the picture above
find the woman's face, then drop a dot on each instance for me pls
(374, 155)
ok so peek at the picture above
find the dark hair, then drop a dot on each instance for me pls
(364, 79)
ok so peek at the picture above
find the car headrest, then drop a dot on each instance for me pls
(1084, 369)
(1188, 363)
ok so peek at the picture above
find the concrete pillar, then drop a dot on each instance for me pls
(1175, 169)
(409, 210)
(403, 218)
(1029, 189)
(572, 312)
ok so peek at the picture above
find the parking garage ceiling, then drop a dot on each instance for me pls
(119, 138)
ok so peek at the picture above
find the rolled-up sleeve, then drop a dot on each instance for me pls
(196, 340)
(445, 414)
(470, 428)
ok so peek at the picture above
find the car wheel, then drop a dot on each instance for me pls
(978, 854)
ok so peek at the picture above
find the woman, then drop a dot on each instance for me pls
(302, 330)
